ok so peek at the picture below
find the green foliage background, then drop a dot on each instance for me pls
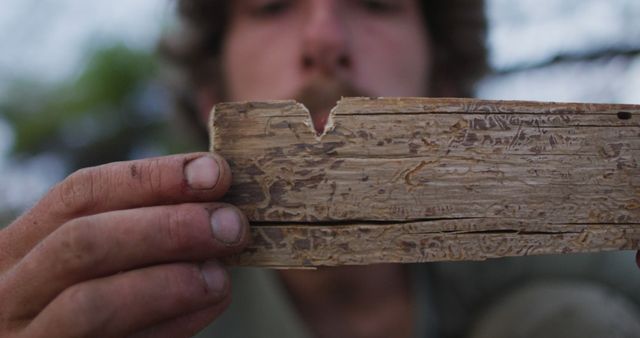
(115, 109)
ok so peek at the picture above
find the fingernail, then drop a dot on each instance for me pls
(214, 275)
(227, 225)
(202, 173)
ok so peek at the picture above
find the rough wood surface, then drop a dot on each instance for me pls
(418, 179)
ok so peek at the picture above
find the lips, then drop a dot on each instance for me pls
(319, 119)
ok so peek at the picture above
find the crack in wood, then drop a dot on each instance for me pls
(356, 222)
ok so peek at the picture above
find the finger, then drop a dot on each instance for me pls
(185, 326)
(129, 302)
(104, 244)
(197, 177)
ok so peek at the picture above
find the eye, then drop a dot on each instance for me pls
(380, 6)
(272, 8)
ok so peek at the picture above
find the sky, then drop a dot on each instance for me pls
(531, 32)
(47, 40)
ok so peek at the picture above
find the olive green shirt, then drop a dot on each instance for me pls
(261, 307)
(449, 297)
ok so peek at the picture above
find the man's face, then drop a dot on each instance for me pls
(318, 50)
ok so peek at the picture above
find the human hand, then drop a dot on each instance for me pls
(120, 249)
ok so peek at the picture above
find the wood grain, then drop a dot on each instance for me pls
(419, 179)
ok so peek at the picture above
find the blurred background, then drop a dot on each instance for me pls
(79, 82)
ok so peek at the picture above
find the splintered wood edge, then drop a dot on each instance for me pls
(273, 104)
(385, 105)
(347, 106)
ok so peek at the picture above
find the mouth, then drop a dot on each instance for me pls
(319, 119)
(321, 95)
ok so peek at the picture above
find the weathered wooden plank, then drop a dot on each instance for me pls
(525, 177)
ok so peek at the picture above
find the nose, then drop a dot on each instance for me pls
(325, 40)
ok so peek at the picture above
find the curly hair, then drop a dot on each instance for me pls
(457, 28)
